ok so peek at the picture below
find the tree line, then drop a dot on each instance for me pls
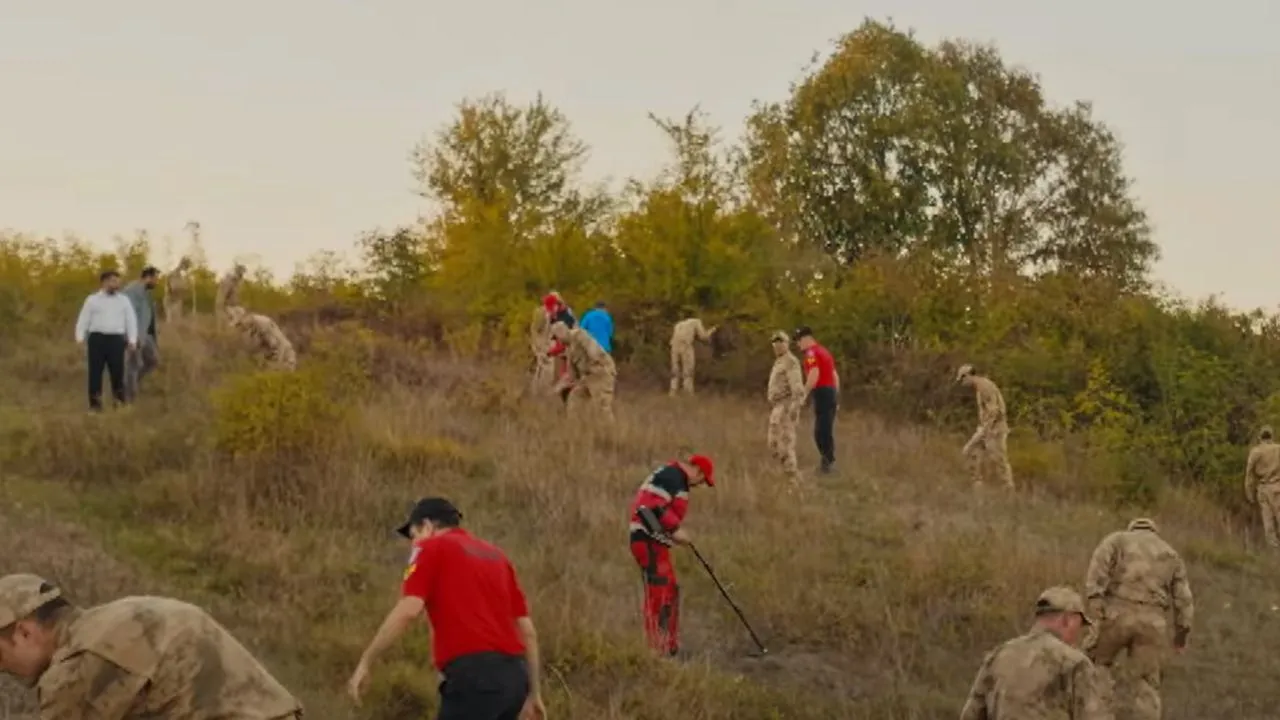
(918, 206)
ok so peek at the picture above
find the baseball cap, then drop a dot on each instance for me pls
(802, 331)
(964, 371)
(1061, 599)
(434, 509)
(1143, 524)
(1266, 432)
(703, 463)
(780, 336)
(23, 594)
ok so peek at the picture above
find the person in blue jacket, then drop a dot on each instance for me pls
(599, 325)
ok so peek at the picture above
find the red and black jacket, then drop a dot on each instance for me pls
(666, 493)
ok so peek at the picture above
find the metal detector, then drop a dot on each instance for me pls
(654, 528)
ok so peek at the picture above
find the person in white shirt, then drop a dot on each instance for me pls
(108, 326)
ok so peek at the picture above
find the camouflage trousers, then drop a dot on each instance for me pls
(174, 305)
(1140, 632)
(1269, 506)
(596, 388)
(544, 367)
(989, 452)
(682, 362)
(783, 418)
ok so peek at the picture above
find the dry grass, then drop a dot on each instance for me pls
(877, 591)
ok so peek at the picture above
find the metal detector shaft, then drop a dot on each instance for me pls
(707, 566)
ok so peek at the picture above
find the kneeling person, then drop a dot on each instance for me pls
(136, 657)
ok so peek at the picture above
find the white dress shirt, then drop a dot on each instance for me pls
(109, 314)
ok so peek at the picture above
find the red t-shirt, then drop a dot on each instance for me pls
(471, 593)
(817, 356)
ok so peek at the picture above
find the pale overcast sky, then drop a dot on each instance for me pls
(283, 126)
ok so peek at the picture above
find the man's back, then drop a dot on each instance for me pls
(1035, 677)
(471, 594)
(991, 407)
(1139, 566)
(1264, 462)
(599, 324)
(158, 657)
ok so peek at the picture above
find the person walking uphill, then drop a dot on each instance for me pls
(483, 641)
(108, 328)
(143, 359)
(989, 445)
(822, 383)
(666, 494)
(1134, 579)
(599, 325)
(136, 657)
(1262, 483)
(1040, 674)
(683, 357)
(786, 396)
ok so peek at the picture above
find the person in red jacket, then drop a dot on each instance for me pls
(666, 494)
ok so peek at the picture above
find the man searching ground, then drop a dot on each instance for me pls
(665, 493)
(482, 638)
(136, 657)
(108, 328)
(822, 383)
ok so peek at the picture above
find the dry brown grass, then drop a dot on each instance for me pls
(877, 591)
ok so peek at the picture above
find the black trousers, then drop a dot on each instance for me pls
(105, 352)
(824, 422)
(484, 686)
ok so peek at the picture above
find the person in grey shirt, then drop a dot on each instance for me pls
(108, 328)
(146, 356)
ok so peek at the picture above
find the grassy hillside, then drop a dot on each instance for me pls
(270, 500)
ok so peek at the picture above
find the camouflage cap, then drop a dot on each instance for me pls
(780, 336)
(1143, 524)
(1266, 432)
(1061, 599)
(23, 594)
(965, 371)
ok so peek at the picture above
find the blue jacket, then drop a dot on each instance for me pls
(599, 325)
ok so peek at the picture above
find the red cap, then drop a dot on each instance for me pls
(703, 463)
(549, 302)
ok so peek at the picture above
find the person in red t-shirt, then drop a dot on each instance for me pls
(666, 494)
(822, 383)
(483, 641)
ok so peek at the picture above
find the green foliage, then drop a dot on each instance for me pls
(919, 206)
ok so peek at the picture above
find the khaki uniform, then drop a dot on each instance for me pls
(683, 357)
(1262, 485)
(267, 335)
(147, 657)
(539, 343)
(228, 295)
(1035, 676)
(988, 448)
(786, 397)
(177, 291)
(1134, 579)
(594, 373)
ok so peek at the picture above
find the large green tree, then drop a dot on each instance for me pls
(891, 147)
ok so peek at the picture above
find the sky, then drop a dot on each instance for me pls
(284, 126)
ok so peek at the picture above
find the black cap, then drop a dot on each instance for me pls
(435, 509)
(802, 331)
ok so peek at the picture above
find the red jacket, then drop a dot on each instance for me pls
(666, 493)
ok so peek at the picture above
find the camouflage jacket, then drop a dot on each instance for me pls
(1035, 677)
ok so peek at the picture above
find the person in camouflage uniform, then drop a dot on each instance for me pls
(1261, 486)
(1040, 674)
(136, 657)
(593, 373)
(683, 357)
(786, 396)
(988, 447)
(1134, 579)
(178, 291)
(540, 342)
(228, 295)
(267, 335)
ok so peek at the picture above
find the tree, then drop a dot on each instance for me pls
(892, 148)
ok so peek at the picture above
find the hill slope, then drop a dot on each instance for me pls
(877, 590)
